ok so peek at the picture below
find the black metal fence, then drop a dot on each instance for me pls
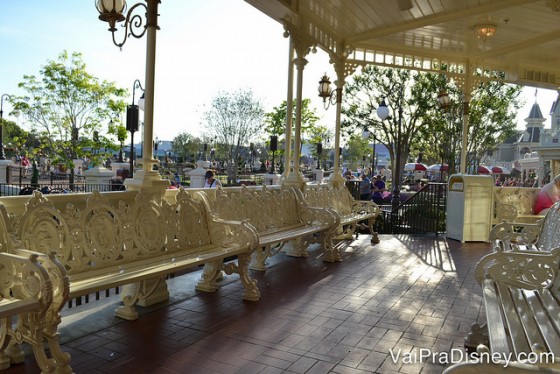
(422, 213)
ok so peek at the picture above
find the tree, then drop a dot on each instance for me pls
(366, 91)
(185, 146)
(234, 119)
(67, 106)
(425, 127)
(276, 121)
(16, 138)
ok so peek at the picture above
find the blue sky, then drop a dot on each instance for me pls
(204, 47)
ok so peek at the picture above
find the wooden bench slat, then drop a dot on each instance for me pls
(540, 311)
(495, 322)
(528, 334)
(147, 269)
(293, 233)
(553, 308)
(516, 311)
(10, 307)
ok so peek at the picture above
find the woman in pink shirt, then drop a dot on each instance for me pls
(547, 196)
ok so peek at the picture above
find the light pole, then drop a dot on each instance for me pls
(319, 152)
(16, 113)
(112, 12)
(395, 198)
(332, 96)
(132, 118)
(366, 134)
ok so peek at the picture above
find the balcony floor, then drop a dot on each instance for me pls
(406, 294)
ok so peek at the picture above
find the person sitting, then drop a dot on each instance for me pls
(210, 181)
(547, 196)
(378, 189)
(365, 188)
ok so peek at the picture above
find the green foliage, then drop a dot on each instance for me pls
(66, 105)
(35, 175)
(366, 91)
(16, 139)
(357, 149)
(425, 127)
(186, 146)
(276, 124)
(276, 120)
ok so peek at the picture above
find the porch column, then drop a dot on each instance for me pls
(289, 111)
(302, 47)
(466, 86)
(464, 144)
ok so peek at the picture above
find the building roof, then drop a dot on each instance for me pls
(535, 112)
(431, 35)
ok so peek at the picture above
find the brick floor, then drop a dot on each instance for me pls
(404, 296)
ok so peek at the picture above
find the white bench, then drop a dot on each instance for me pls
(521, 297)
(280, 215)
(352, 213)
(133, 239)
(26, 295)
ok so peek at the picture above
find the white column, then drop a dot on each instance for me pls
(289, 110)
(296, 177)
(464, 144)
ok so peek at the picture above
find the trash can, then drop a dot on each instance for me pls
(470, 207)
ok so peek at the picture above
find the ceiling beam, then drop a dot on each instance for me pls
(435, 19)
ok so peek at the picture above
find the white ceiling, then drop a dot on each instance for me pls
(433, 34)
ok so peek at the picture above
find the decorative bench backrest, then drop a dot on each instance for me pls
(109, 232)
(325, 196)
(267, 209)
(521, 198)
(25, 279)
(549, 237)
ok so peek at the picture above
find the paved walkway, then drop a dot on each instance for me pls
(406, 296)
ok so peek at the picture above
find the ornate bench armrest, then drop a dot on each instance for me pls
(315, 215)
(226, 232)
(368, 207)
(60, 284)
(23, 278)
(510, 235)
(526, 270)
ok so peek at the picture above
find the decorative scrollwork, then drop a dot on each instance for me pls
(526, 270)
(133, 25)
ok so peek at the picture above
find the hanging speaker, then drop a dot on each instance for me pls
(319, 148)
(132, 118)
(274, 143)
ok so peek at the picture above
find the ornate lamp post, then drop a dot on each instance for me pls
(365, 135)
(132, 118)
(331, 97)
(15, 112)
(113, 12)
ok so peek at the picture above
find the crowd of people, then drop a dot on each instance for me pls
(516, 182)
